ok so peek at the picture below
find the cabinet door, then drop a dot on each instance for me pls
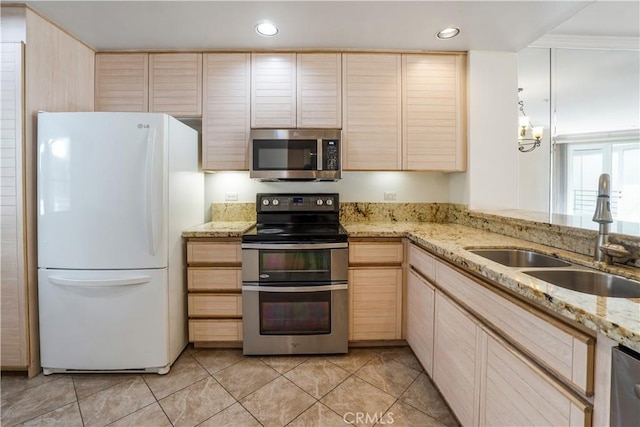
(457, 359)
(563, 350)
(420, 317)
(175, 84)
(376, 303)
(273, 90)
(371, 123)
(122, 82)
(226, 114)
(319, 90)
(517, 393)
(433, 120)
(13, 323)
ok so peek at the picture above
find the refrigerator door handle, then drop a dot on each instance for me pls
(100, 283)
(152, 242)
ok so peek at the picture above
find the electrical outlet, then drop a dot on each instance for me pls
(230, 197)
(390, 195)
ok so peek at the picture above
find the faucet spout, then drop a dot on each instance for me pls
(602, 216)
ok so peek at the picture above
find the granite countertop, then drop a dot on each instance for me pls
(617, 318)
(219, 229)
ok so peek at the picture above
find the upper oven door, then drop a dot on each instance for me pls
(284, 263)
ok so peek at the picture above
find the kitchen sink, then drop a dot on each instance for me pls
(520, 258)
(590, 282)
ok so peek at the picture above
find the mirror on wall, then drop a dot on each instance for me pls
(588, 100)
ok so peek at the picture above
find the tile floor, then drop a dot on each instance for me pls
(221, 387)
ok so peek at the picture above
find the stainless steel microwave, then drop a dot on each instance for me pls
(295, 154)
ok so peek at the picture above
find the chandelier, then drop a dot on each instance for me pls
(525, 128)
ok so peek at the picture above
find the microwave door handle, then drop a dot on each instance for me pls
(319, 156)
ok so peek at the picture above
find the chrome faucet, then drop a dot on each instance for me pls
(605, 251)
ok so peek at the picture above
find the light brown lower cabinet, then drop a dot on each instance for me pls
(214, 283)
(376, 303)
(496, 361)
(457, 359)
(375, 289)
(515, 392)
(420, 316)
(487, 382)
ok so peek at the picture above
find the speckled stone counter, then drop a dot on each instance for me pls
(618, 318)
(219, 229)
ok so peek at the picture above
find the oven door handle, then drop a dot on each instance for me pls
(255, 288)
(295, 246)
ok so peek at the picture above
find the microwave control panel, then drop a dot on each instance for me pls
(330, 149)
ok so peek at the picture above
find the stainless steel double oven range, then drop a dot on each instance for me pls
(294, 276)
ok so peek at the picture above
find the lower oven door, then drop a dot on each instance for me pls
(295, 319)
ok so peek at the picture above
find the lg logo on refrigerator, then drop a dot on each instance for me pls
(143, 126)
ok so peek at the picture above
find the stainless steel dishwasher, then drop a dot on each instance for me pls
(625, 387)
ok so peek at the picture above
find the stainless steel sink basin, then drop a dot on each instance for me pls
(519, 258)
(590, 282)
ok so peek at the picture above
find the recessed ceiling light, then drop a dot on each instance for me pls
(266, 29)
(448, 33)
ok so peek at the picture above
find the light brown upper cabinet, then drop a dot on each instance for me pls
(226, 111)
(371, 122)
(433, 120)
(319, 90)
(122, 82)
(292, 90)
(273, 90)
(158, 82)
(175, 84)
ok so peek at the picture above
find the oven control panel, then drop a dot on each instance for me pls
(316, 202)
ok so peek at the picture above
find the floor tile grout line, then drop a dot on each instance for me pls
(154, 396)
(439, 397)
(36, 416)
(373, 385)
(75, 390)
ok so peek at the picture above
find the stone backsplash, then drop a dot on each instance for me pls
(572, 239)
(394, 212)
(233, 211)
(558, 236)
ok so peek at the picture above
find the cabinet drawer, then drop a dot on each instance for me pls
(214, 279)
(213, 253)
(209, 305)
(202, 330)
(560, 348)
(422, 262)
(375, 253)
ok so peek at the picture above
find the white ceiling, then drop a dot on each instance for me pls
(403, 25)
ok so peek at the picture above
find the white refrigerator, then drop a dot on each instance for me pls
(115, 190)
